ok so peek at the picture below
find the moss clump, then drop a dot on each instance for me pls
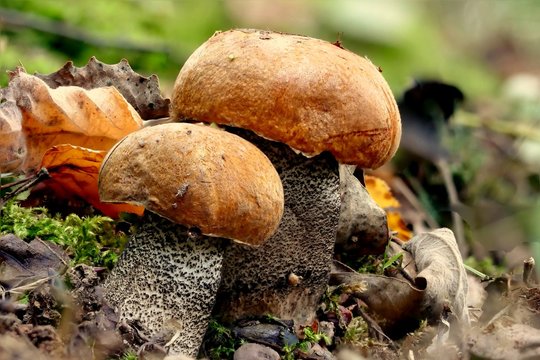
(90, 240)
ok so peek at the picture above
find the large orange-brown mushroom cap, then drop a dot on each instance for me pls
(307, 93)
(196, 176)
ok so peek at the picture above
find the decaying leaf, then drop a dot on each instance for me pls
(141, 92)
(17, 347)
(95, 118)
(74, 171)
(362, 227)
(22, 263)
(393, 302)
(12, 146)
(505, 339)
(439, 262)
(382, 194)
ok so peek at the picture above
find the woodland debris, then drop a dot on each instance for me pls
(95, 118)
(439, 263)
(143, 93)
(23, 263)
(253, 351)
(362, 227)
(391, 301)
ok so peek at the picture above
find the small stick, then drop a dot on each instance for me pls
(374, 326)
(27, 184)
(528, 267)
(459, 231)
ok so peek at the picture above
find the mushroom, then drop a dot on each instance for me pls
(200, 186)
(307, 104)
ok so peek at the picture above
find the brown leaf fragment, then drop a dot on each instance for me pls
(439, 262)
(74, 171)
(95, 119)
(12, 144)
(362, 227)
(393, 302)
(141, 92)
(17, 347)
(45, 338)
(23, 263)
(505, 339)
(382, 194)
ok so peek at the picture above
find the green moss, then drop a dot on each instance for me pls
(220, 341)
(91, 240)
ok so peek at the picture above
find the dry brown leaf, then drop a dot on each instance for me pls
(362, 227)
(505, 339)
(74, 172)
(439, 262)
(141, 92)
(12, 146)
(382, 194)
(94, 119)
(394, 302)
(23, 263)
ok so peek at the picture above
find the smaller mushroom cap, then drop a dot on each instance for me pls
(196, 176)
(307, 93)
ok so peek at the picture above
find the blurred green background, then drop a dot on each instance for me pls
(452, 40)
(487, 48)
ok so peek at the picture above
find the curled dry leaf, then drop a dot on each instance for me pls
(439, 262)
(12, 145)
(74, 171)
(382, 194)
(141, 92)
(95, 119)
(362, 227)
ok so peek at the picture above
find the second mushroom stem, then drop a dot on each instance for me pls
(288, 274)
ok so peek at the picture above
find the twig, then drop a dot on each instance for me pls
(459, 231)
(528, 267)
(497, 316)
(400, 186)
(481, 275)
(27, 184)
(374, 326)
(23, 288)
(13, 18)
(512, 128)
(54, 252)
(15, 183)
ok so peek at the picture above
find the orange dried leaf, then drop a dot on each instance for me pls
(396, 223)
(382, 194)
(141, 92)
(12, 146)
(74, 173)
(95, 119)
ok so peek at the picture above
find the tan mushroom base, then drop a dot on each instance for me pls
(288, 274)
(167, 279)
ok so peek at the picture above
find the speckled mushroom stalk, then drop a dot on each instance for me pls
(166, 280)
(200, 186)
(287, 275)
(300, 96)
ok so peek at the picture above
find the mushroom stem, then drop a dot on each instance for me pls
(167, 279)
(288, 274)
